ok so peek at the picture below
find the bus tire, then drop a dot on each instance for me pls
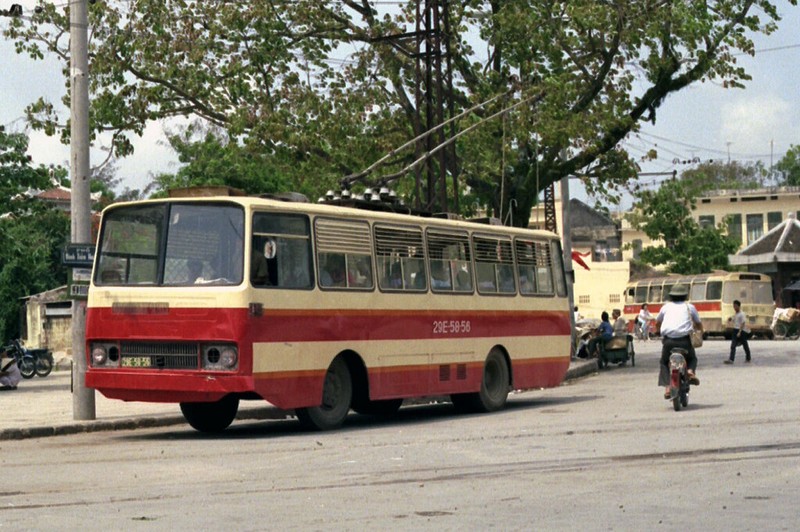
(211, 417)
(382, 407)
(494, 387)
(337, 396)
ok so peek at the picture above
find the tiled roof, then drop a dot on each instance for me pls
(783, 238)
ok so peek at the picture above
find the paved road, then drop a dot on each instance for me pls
(603, 453)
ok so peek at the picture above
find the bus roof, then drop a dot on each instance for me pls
(317, 209)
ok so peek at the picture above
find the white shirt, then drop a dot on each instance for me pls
(677, 319)
(740, 322)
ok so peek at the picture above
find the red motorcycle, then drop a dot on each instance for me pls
(678, 378)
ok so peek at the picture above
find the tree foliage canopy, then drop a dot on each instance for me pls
(717, 175)
(789, 166)
(665, 216)
(31, 233)
(316, 89)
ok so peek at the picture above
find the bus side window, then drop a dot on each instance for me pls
(401, 258)
(449, 255)
(714, 290)
(494, 265)
(281, 251)
(526, 266)
(344, 254)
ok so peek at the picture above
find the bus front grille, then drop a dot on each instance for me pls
(152, 355)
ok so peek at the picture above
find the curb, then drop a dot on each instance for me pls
(576, 370)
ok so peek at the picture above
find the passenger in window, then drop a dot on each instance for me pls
(332, 272)
(259, 272)
(395, 276)
(463, 281)
(195, 268)
(359, 273)
(440, 277)
(506, 275)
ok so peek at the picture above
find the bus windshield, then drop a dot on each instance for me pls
(171, 244)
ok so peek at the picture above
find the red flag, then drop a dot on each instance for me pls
(577, 257)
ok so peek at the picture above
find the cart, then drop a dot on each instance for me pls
(786, 324)
(618, 350)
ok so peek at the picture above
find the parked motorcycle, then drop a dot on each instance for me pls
(31, 361)
(678, 378)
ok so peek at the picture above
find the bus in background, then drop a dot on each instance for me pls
(206, 301)
(713, 295)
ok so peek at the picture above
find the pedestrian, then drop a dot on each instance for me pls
(741, 332)
(9, 372)
(576, 315)
(675, 321)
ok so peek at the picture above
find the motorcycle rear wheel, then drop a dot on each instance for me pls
(676, 403)
(44, 366)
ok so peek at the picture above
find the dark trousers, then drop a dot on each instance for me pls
(743, 339)
(667, 344)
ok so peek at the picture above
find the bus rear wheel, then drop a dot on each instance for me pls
(494, 387)
(211, 417)
(337, 395)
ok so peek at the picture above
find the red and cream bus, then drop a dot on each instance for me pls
(713, 295)
(318, 308)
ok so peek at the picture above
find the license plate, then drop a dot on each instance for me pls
(136, 362)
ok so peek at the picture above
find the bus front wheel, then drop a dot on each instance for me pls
(494, 387)
(337, 394)
(211, 417)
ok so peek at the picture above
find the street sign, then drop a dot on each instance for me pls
(78, 255)
(78, 282)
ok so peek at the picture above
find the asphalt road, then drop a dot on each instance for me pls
(605, 452)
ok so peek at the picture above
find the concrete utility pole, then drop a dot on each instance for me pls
(566, 239)
(83, 407)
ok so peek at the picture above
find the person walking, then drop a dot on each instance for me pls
(741, 332)
(675, 322)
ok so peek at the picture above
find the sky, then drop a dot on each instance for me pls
(702, 122)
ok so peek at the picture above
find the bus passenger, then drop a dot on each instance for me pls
(259, 273)
(195, 268)
(333, 271)
(440, 277)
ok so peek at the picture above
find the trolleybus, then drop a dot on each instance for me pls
(713, 295)
(318, 308)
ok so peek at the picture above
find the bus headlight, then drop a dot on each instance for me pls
(224, 357)
(105, 355)
(99, 356)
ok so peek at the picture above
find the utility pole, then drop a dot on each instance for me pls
(566, 239)
(83, 406)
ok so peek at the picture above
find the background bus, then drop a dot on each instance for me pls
(713, 295)
(318, 308)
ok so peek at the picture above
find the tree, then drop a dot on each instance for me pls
(665, 216)
(789, 166)
(31, 233)
(575, 77)
(716, 175)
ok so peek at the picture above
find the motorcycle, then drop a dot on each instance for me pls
(678, 378)
(31, 361)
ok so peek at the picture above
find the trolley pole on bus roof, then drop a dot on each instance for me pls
(83, 406)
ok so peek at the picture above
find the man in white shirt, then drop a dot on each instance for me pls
(741, 332)
(675, 322)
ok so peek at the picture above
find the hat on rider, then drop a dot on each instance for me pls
(679, 290)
